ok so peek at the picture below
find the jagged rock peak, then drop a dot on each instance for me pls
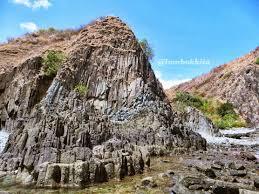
(110, 31)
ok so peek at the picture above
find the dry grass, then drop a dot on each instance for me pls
(18, 50)
(109, 31)
(210, 80)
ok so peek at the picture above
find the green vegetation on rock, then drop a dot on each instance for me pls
(221, 114)
(229, 121)
(189, 100)
(82, 89)
(52, 61)
(257, 61)
(225, 109)
(147, 48)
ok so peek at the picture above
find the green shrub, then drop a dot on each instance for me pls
(42, 31)
(52, 62)
(147, 48)
(209, 106)
(225, 108)
(257, 61)
(188, 99)
(82, 89)
(229, 121)
(51, 30)
(222, 115)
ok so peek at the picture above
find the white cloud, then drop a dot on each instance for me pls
(169, 83)
(34, 4)
(41, 3)
(26, 3)
(29, 26)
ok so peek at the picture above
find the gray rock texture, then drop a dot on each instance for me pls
(198, 122)
(60, 138)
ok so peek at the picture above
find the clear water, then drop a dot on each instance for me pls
(213, 139)
(238, 131)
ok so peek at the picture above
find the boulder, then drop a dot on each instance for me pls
(193, 183)
(225, 190)
(198, 122)
(256, 182)
(238, 173)
(217, 165)
(236, 166)
(248, 156)
(25, 178)
(4, 192)
(206, 169)
(210, 173)
(148, 182)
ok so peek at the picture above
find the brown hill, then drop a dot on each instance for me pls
(236, 82)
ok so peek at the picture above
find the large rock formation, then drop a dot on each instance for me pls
(63, 138)
(198, 122)
(236, 82)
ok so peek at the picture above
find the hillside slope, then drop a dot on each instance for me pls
(236, 82)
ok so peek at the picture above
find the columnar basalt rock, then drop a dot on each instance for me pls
(66, 139)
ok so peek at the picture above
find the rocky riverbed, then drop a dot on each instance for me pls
(229, 165)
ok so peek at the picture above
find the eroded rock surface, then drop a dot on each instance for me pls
(60, 138)
(198, 122)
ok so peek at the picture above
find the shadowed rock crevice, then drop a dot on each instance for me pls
(42, 84)
(56, 174)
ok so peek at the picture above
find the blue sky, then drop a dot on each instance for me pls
(218, 31)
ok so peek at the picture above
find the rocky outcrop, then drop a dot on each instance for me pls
(236, 82)
(198, 122)
(195, 120)
(218, 170)
(61, 138)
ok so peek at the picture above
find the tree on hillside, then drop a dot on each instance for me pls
(147, 49)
